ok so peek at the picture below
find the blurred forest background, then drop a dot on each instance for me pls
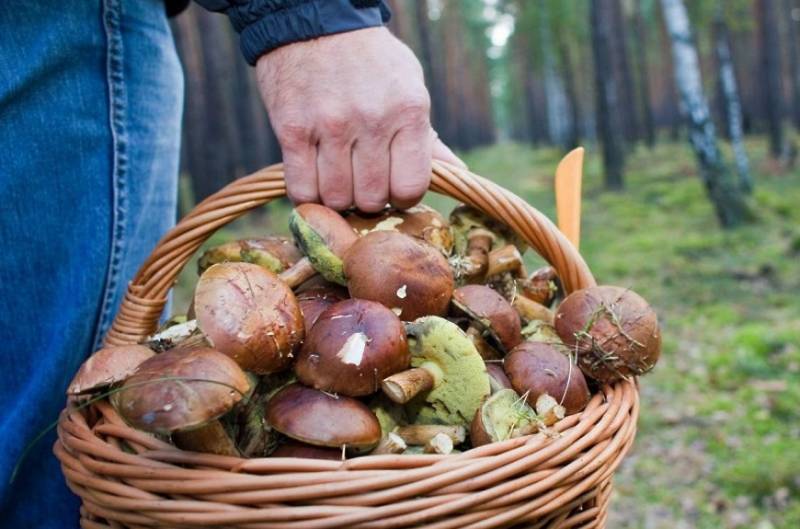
(690, 111)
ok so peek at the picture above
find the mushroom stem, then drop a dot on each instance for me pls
(390, 444)
(530, 310)
(505, 259)
(439, 444)
(421, 434)
(404, 386)
(479, 244)
(299, 272)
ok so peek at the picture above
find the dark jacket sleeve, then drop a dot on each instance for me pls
(264, 25)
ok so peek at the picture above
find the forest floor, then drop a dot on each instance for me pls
(719, 435)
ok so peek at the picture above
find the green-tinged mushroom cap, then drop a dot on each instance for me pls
(464, 219)
(499, 416)
(390, 415)
(323, 236)
(275, 253)
(460, 379)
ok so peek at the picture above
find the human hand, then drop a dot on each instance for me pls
(352, 115)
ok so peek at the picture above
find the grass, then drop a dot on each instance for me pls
(719, 437)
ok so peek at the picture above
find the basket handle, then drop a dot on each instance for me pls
(147, 293)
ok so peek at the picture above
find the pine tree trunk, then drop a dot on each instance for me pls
(432, 67)
(608, 109)
(573, 137)
(790, 10)
(556, 106)
(730, 100)
(720, 184)
(625, 89)
(644, 76)
(772, 97)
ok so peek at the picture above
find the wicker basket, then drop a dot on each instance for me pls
(127, 478)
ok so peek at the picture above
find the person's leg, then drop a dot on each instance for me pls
(90, 102)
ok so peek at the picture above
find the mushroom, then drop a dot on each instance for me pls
(421, 434)
(497, 377)
(180, 390)
(475, 235)
(274, 253)
(390, 414)
(390, 443)
(499, 416)
(448, 374)
(537, 368)
(254, 435)
(320, 419)
(324, 237)
(400, 272)
(316, 299)
(352, 347)
(250, 315)
(541, 286)
(439, 444)
(108, 366)
(613, 331)
(505, 260)
(489, 312)
(540, 331)
(530, 310)
(292, 448)
(487, 351)
(185, 334)
(421, 222)
(210, 438)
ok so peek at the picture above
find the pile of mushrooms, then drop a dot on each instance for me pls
(392, 333)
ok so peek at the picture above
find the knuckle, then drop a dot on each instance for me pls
(333, 126)
(293, 135)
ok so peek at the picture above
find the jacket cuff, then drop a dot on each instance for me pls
(308, 20)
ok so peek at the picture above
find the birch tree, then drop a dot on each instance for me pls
(722, 188)
(730, 99)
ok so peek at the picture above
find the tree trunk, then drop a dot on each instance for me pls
(557, 115)
(730, 100)
(644, 76)
(625, 89)
(771, 73)
(721, 187)
(431, 66)
(573, 137)
(792, 14)
(608, 112)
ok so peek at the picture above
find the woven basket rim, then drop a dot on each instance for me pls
(127, 478)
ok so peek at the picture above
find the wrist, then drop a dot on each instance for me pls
(305, 21)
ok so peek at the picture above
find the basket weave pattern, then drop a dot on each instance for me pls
(128, 479)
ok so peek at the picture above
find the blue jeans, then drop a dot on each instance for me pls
(91, 93)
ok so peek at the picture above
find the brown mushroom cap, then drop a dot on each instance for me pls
(275, 253)
(352, 347)
(614, 331)
(250, 315)
(316, 418)
(541, 286)
(180, 390)
(421, 222)
(399, 272)
(108, 366)
(491, 311)
(315, 300)
(292, 448)
(536, 368)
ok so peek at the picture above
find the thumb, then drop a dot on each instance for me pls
(443, 152)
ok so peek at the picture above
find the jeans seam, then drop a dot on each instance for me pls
(119, 159)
